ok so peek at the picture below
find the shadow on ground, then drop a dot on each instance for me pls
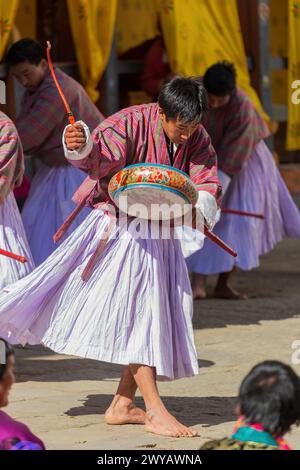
(207, 411)
(273, 291)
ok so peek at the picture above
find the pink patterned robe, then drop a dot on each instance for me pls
(135, 135)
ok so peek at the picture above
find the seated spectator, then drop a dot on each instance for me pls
(268, 405)
(13, 434)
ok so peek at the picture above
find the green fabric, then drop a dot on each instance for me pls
(247, 434)
(234, 444)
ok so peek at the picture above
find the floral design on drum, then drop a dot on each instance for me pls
(154, 174)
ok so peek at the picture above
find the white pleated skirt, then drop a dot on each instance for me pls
(13, 239)
(136, 307)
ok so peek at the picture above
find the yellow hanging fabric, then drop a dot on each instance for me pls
(8, 10)
(293, 127)
(137, 22)
(199, 33)
(26, 18)
(92, 24)
(279, 48)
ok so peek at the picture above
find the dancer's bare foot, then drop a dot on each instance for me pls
(161, 422)
(227, 292)
(198, 286)
(123, 411)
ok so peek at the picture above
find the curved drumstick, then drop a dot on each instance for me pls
(247, 214)
(214, 238)
(71, 117)
(22, 259)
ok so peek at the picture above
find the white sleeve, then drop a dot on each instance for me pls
(208, 207)
(83, 151)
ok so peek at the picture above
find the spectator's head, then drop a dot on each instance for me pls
(7, 377)
(27, 62)
(182, 103)
(220, 83)
(270, 395)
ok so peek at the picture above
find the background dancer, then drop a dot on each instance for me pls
(40, 125)
(253, 183)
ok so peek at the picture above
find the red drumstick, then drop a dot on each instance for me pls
(214, 238)
(65, 226)
(22, 259)
(69, 112)
(247, 214)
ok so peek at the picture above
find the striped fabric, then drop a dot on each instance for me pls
(135, 135)
(11, 157)
(43, 117)
(235, 129)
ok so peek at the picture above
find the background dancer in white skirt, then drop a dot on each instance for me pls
(12, 233)
(40, 124)
(253, 182)
(136, 308)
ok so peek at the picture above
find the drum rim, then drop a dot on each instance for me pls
(170, 167)
(160, 186)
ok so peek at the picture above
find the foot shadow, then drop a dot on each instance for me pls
(191, 411)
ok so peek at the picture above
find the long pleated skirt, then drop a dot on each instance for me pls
(259, 188)
(135, 308)
(13, 239)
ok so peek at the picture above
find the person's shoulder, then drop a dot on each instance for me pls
(140, 110)
(228, 443)
(136, 113)
(6, 124)
(220, 444)
(242, 99)
(68, 84)
(7, 423)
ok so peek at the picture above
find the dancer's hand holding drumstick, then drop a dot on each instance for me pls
(75, 136)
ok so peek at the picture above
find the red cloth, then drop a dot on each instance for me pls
(156, 68)
(22, 191)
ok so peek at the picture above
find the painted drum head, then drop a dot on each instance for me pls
(152, 191)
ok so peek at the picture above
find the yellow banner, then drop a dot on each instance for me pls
(26, 18)
(293, 127)
(8, 10)
(92, 24)
(137, 22)
(199, 33)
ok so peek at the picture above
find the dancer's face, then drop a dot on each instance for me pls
(215, 102)
(30, 75)
(177, 132)
(7, 381)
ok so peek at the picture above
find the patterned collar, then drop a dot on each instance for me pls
(254, 432)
